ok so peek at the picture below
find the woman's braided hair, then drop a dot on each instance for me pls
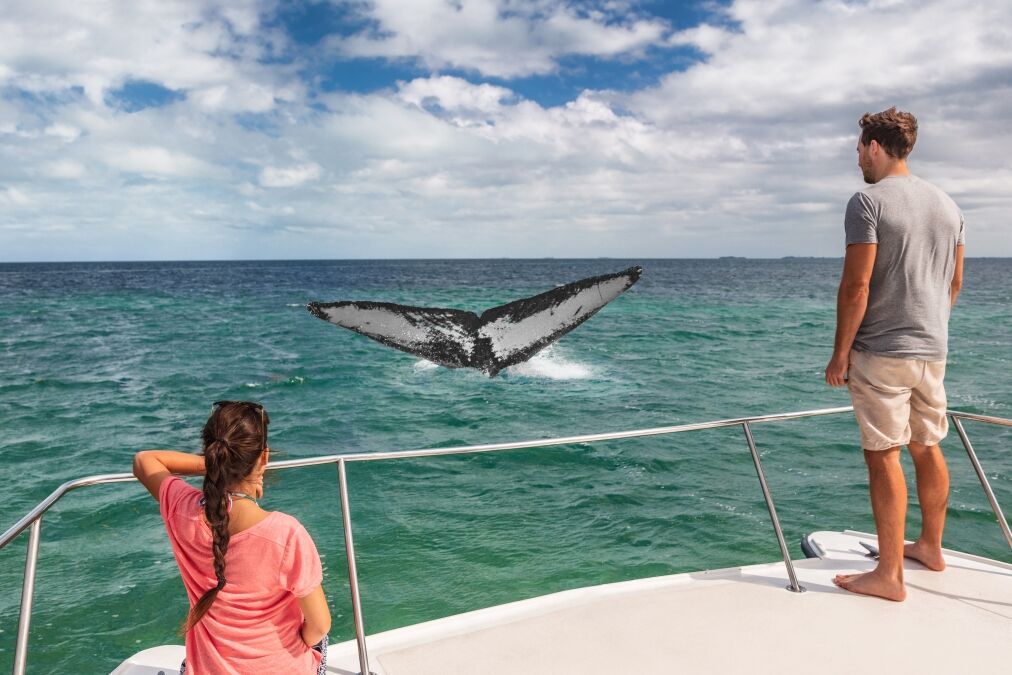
(234, 437)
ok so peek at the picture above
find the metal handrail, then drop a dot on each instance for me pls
(57, 494)
(1002, 523)
(33, 519)
(1000, 421)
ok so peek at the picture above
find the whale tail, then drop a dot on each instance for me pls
(443, 336)
(501, 337)
(518, 330)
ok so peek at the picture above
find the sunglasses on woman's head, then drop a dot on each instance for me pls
(252, 404)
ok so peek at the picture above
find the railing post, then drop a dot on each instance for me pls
(794, 585)
(27, 592)
(983, 480)
(349, 547)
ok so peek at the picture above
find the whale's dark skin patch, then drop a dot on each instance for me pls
(501, 337)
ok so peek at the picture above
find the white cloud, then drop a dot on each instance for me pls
(209, 46)
(705, 37)
(749, 152)
(289, 176)
(242, 97)
(64, 168)
(63, 132)
(504, 38)
(797, 57)
(154, 160)
(13, 196)
(454, 93)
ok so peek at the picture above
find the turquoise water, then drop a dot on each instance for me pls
(101, 360)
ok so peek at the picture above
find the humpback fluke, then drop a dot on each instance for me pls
(501, 337)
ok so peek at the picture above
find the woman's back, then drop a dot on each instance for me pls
(241, 520)
(254, 624)
(253, 577)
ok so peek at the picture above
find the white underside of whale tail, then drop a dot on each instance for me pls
(444, 336)
(520, 331)
(503, 336)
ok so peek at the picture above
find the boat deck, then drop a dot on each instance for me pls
(722, 621)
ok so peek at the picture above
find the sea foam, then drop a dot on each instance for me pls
(422, 366)
(545, 365)
(548, 365)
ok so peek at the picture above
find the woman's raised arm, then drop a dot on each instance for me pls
(153, 466)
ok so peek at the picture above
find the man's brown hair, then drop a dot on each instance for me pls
(894, 130)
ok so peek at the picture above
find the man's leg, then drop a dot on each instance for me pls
(889, 506)
(929, 425)
(933, 495)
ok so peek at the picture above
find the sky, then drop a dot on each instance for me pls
(262, 129)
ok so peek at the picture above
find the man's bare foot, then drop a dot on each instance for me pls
(872, 583)
(929, 556)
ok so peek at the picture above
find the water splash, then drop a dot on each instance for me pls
(423, 366)
(548, 365)
(275, 379)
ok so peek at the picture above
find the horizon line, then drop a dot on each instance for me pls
(427, 259)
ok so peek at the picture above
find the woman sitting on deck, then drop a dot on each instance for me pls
(253, 576)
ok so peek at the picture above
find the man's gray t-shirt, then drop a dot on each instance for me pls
(917, 228)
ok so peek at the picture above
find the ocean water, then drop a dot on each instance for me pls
(98, 361)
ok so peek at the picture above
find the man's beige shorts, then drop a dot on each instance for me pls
(897, 400)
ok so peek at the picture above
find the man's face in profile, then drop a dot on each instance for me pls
(864, 161)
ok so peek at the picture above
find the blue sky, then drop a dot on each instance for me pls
(230, 129)
(310, 23)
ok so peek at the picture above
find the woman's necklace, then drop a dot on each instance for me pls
(243, 495)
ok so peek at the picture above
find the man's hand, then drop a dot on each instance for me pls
(836, 371)
(851, 304)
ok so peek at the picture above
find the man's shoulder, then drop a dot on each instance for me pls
(908, 183)
(922, 184)
(863, 201)
(876, 193)
(937, 199)
(891, 185)
(902, 188)
(864, 195)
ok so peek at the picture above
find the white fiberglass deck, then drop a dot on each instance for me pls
(725, 621)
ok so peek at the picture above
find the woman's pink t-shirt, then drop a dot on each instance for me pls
(253, 626)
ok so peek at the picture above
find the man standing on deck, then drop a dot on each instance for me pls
(901, 274)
